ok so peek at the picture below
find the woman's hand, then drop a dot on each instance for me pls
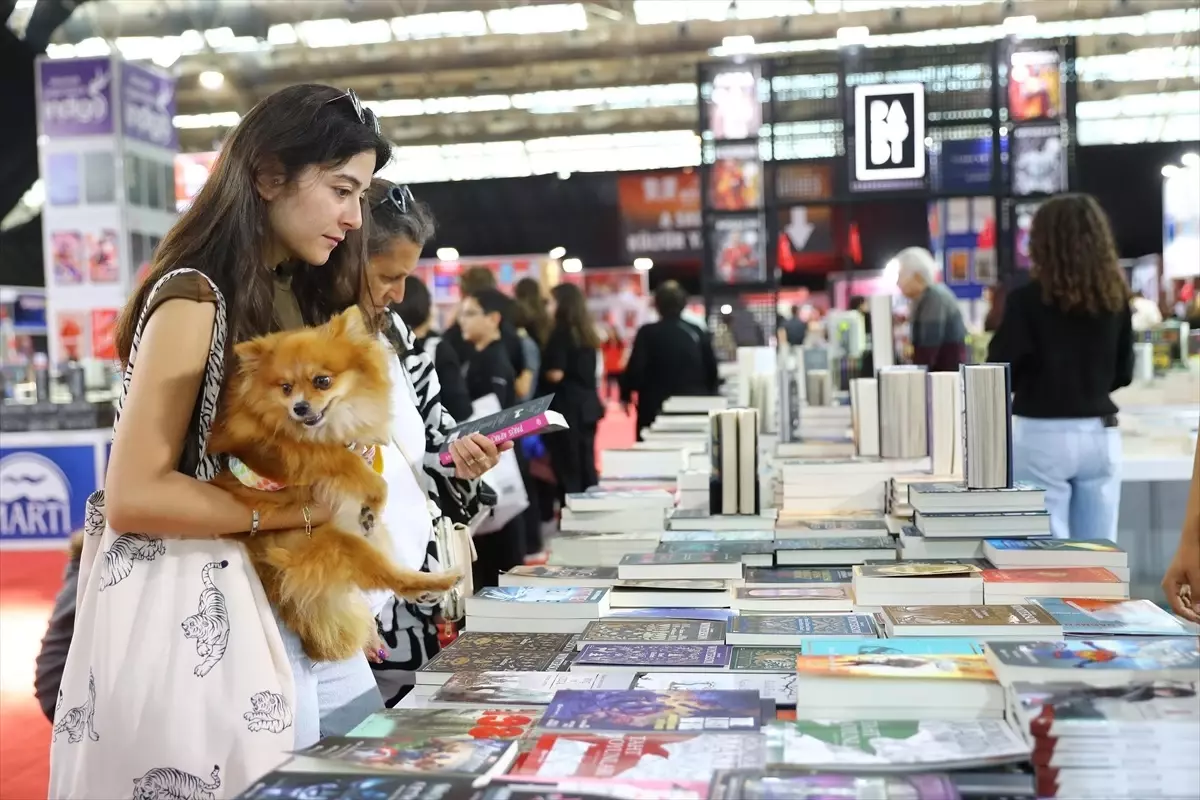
(375, 650)
(475, 454)
(1181, 583)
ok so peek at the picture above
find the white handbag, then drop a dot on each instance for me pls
(454, 548)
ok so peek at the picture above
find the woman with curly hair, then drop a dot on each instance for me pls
(1068, 335)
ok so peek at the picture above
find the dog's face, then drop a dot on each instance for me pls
(329, 383)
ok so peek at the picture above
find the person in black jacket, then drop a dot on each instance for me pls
(475, 280)
(671, 357)
(416, 309)
(1068, 335)
(570, 370)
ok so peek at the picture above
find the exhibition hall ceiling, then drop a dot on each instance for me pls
(462, 71)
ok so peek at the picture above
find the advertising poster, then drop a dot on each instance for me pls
(809, 233)
(1038, 161)
(74, 336)
(1181, 224)
(660, 214)
(43, 491)
(1034, 85)
(734, 107)
(889, 132)
(75, 97)
(62, 179)
(1024, 218)
(958, 267)
(148, 106)
(985, 273)
(67, 254)
(103, 264)
(798, 183)
(735, 179)
(738, 250)
(104, 331)
(963, 165)
(191, 171)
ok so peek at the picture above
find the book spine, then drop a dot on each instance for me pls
(514, 431)
(715, 487)
(1008, 426)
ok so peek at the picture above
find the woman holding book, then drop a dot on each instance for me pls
(1069, 338)
(1182, 581)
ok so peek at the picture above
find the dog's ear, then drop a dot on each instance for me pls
(249, 354)
(351, 323)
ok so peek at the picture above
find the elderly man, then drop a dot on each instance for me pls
(939, 337)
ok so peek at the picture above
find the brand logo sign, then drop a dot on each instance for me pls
(889, 135)
(43, 490)
(148, 106)
(75, 97)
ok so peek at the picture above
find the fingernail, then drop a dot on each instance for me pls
(381, 653)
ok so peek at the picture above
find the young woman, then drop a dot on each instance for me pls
(400, 226)
(1069, 338)
(272, 241)
(569, 368)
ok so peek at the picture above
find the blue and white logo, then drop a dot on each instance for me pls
(35, 497)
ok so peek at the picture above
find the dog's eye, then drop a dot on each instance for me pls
(322, 382)
(287, 389)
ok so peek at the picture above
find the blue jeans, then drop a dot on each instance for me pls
(1078, 461)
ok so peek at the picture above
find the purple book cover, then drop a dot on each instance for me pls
(635, 711)
(511, 423)
(655, 655)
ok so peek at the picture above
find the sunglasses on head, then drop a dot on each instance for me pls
(365, 115)
(399, 196)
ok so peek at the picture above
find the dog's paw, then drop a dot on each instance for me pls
(366, 520)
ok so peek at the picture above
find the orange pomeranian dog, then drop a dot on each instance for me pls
(297, 416)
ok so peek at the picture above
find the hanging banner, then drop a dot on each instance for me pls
(660, 214)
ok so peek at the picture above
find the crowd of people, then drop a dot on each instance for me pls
(293, 228)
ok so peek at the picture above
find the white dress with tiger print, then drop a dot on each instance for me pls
(177, 684)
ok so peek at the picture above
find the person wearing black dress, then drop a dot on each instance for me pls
(569, 371)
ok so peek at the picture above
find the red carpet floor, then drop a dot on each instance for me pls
(28, 583)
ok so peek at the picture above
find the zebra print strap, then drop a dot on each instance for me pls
(207, 466)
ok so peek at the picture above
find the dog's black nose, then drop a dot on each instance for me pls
(301, 409)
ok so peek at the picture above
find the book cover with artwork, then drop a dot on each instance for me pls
(764, 659)
(509, 723)
(907, 645)
(604, 575)
(511, 423)
(1169, 658)
(631, 631)
(890, 745)
(1156, 710)
(968, 616)
(804, 625)
(633, 711)
(516, 688)
(1050, 575)
(773, 785)
(417, 753)
(673, 656)
(500, 652)
(780, 688)
(800, 527)
(738, 549)
(536, 595)
(963, 668)
(658, 757)
(675, 585)
(756, 576)
(1083, 616)
(838, 543)
(717, 536)
(676, 559)
(1055, 545)
(722, 615)
(339, 785)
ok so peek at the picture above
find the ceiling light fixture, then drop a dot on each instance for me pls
(727, 309)
(572, 265)
(447, 254)
(1191, 160)
(643, 264)
(558, 252)
(212, 80)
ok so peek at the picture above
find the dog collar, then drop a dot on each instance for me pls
(251, 479)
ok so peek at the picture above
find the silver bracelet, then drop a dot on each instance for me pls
(254, 520)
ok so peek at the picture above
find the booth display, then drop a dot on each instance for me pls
(442, 277)
(106, 144)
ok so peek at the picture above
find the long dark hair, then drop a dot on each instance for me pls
(572, 315)
(1074, 256)
(224, 233)
(396, 214)
(530, 309)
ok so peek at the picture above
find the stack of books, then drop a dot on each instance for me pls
(833, 487)
(952, 510)
(734, 451)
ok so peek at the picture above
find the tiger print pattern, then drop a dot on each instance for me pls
(209, 626)
(168, 783)
(127, 548)
(93, 523)
(269, 711)
(75, 722)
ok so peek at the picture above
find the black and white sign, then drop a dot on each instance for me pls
(889, 135)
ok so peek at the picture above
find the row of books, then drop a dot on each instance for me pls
(670, 652)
